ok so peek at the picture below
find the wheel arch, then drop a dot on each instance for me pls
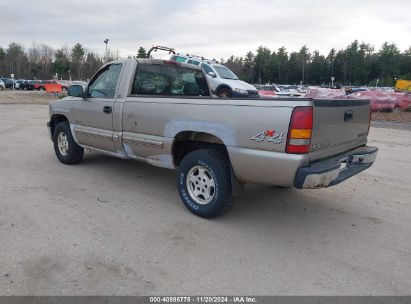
(183, 131)
(223, 85)
(187, 141)
(55, 119)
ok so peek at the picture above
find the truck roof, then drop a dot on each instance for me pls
(169, 62)
(155, 61)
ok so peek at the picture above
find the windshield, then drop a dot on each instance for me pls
(224, 72)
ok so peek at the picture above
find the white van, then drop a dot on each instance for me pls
(223, 82)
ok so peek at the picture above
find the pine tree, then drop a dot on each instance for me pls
(77, 57)
(61, 64)
(141, 53)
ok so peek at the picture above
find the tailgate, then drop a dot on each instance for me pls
(338, 126)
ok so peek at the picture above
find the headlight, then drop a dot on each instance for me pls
(241, 91)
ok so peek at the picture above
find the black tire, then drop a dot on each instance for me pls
(224, 92)
(217, 165)
(74, 153)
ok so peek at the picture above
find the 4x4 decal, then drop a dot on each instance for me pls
(270, 135)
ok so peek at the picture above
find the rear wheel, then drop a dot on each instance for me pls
(204, 182)
(66, 149)
(42, 89)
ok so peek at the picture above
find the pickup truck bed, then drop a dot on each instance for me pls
(163, 113)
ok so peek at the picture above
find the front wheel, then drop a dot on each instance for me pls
(224, 93)
(66, 149)
(204, 182)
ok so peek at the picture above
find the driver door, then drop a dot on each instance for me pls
(93, 115)
(211, 80)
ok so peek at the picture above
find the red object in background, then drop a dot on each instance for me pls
(50, 86)
(324, 93)
(266, 94)
(53, 88)
(384, 101)
(403, 100)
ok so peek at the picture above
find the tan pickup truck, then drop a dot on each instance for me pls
(163, 113)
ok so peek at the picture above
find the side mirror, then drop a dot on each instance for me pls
(75, 91)
(212, 74)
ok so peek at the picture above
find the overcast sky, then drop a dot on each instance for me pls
(211, 28)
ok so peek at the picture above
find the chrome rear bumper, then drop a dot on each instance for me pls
(333, 171)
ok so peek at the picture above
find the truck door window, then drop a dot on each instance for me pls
(104, 84)
(206, 68)
(169, 80)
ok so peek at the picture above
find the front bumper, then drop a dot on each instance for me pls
(333, 171)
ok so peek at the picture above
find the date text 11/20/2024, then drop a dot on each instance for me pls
(203, 299)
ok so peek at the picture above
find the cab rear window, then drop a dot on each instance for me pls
(169, 80)
(193, 62)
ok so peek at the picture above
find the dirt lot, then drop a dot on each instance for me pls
(396, 116)
(117, 227)
(26, 97)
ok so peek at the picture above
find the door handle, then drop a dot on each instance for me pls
(107, 109)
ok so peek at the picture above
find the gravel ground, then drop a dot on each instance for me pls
(395, 116)
(26, 97)
(117, 227)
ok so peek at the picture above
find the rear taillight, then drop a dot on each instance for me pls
(300, 131)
